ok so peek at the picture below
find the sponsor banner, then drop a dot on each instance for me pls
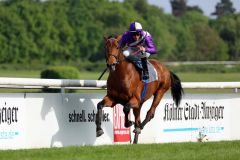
(79, 115)
(205, 119)
(121, 134)
(12, 122)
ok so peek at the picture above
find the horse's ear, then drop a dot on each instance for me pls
(105, 38)
(119, 37)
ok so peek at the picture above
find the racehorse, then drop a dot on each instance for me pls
(125, 87)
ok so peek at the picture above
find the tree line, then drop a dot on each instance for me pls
(57, 32)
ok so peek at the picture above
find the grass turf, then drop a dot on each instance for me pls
(169, 151)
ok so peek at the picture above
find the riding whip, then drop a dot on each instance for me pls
(102, 73)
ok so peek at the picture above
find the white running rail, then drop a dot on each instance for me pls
(6, 82)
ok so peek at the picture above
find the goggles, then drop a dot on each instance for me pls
(135, 33)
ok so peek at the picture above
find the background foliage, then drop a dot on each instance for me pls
(70, 32)
(59, 72)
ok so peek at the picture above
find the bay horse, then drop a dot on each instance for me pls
(125, 87)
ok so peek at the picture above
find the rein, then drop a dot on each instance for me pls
(102, 73)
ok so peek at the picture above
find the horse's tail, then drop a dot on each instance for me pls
(176, 88)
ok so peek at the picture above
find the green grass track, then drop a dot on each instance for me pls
(225, 150)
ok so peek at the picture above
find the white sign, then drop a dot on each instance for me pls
(12, 122)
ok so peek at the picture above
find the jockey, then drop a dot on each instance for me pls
(137, 46)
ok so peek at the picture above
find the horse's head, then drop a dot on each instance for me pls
(112, 52)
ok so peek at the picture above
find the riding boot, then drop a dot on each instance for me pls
(145, 75)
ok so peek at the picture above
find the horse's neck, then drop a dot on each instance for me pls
(121, 57)
(123, 67)
(123, 80)
(125, 70)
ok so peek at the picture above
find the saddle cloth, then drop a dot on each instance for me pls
(153, 76)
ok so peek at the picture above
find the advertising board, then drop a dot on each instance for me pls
(121, 134)
(42, 120)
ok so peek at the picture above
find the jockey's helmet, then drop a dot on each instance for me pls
(135, 27)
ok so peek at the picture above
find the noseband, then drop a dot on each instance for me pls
(113, 64)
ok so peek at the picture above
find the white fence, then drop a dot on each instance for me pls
(228, 63)
(36, 120)
(49, 83)
(78, 84)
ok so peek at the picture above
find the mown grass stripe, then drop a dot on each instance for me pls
(225, 150)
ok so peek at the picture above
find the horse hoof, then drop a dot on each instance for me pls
(135, 142)
(137, 130)
(99, 133)
(128, 124)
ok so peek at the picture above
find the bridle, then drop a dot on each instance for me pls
(112, 42)
(113, 65)
(110, 66)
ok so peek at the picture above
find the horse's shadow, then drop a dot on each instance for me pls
(75, 116)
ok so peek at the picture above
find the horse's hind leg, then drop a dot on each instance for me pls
(134, 103)
(137, 130)
(156, 100)
(104, 103)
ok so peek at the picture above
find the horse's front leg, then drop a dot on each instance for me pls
(128, 123)
(106, 102)
(99, 130)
